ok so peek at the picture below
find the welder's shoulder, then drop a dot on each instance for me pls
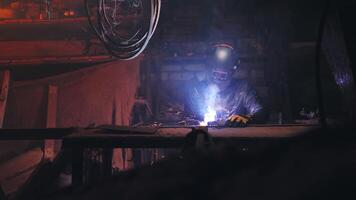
(241, 84)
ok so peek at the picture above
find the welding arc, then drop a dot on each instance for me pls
(105, 25)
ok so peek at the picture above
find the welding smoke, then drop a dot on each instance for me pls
(210, 110)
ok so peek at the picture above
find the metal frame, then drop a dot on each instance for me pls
(76, 140)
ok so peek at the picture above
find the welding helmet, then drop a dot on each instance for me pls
(223, 61)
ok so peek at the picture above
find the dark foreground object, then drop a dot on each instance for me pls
(318, 165)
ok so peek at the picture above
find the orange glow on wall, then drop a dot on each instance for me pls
(6, 13)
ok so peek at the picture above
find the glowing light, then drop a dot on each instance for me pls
(6, 13)
(210, 113)
(209, 116)
(222, 54)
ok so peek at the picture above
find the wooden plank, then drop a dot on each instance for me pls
(51, 146)
(3, 95)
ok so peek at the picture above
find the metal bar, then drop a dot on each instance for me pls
(118, 134)
(175, 137)
(35, 134)
(54, 60)
(3, 95)
(127, 141)
(50, 147)
(124, 141)
(42, 22)
(249, 126)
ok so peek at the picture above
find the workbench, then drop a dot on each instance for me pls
(78, 139)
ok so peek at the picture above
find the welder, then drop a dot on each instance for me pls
(221, 98)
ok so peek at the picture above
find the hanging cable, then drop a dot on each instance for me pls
(110, 28)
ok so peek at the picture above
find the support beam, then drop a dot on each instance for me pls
(35, 134)
(52, 106)
(77, 166)
(5, 83)
(51, 146)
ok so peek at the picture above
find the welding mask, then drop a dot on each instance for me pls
(222, 61)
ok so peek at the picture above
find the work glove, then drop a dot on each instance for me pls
(237, 121)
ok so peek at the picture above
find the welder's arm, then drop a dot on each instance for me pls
(251, 103)
(251, 108)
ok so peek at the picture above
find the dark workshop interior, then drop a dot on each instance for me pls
(177, 99)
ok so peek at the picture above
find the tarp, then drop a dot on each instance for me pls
(103, 94)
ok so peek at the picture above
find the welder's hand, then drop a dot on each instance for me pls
(237, 121)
